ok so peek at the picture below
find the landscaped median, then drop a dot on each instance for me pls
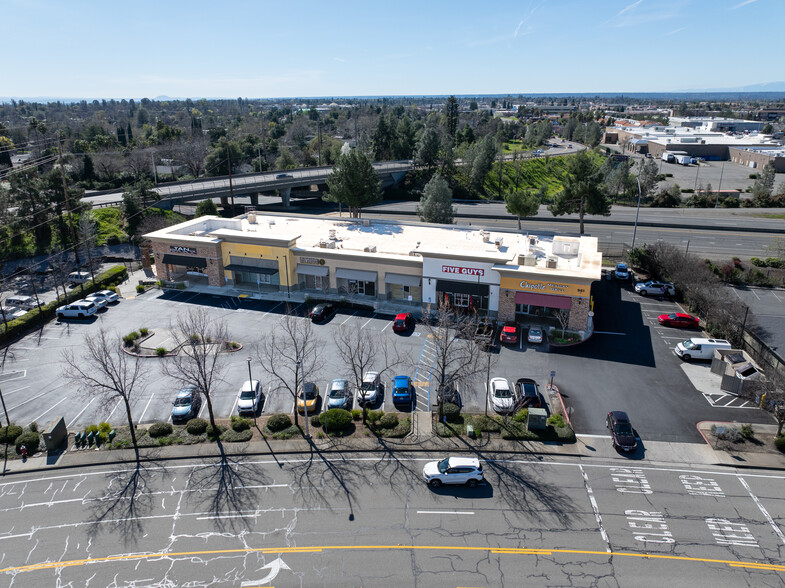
(515, 428)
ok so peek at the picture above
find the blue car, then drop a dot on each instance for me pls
(402, 390)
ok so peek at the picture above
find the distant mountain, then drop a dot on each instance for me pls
(765, 87)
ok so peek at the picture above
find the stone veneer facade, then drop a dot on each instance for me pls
(211, 252)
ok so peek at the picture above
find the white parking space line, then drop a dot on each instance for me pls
(272, 309)
(607, 333)
(754, 293)
(446, 512)
(234, 404)
(777, 297)
(9, 392)
(119, 402)
(141, 416)
(368, 321)
(387, 325)
(266, 398)
(348, 317)
(587, 436)
(76, 418)
(10, 408)
(40, 416)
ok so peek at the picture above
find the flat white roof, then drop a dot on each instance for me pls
(336, 237)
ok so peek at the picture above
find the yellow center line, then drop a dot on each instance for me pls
(446, 548)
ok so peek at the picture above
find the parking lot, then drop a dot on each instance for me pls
(627, 365)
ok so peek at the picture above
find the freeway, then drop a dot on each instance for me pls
(368, 520)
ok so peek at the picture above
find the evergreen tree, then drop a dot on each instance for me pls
(428, 147)
(583, 190)
(524, 203)
(404, 139)
(353, 182)
(451, 116)
(484, 153)
(121, 136)
(436, 202)
(763, 187)
(129, 134)
(205, 208)
(383, 139)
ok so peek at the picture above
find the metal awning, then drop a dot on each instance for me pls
(402, 279)
(472, 288)
(545, 300)
(312, 270)
(359, 275)
(236, 267)
(185, 260)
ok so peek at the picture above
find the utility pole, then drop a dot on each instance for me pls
(717, 199)
(67, 202)
(319, 124)
(501, 169)
(229, 162)
(155, 172)
(259, 149)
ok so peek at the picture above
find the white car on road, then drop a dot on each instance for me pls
(453, 470)
(78, 309)
(502, 398)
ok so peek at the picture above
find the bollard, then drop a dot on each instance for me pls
(112, 434)
(90, 438)
(78, 439)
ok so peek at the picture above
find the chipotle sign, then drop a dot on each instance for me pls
(464, 271)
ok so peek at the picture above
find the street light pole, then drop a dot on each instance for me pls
(250, 383)
(637, 212)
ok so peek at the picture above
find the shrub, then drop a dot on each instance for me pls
(357, 414)
(240, 423)
(104, 427)
(91, 429)
(388, 421)
(128, 340)
(279, 422)
(779, 443)
(731, 434)
(214, 433)
(235, 436)
(373, 416)
(485, 423)
(316, 420)
(161, 351)
(747, 432)
(521, 416)
(143, 331)
(10, 433)
(159, 430)
(337, 419)
(31, 440)
(140, 289)
(775, 262)
(33, 427)
(196, 426)
(557, 421)
(451, 412)
(757, 262)
(753, 176)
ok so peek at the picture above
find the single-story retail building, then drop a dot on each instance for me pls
(502, 275)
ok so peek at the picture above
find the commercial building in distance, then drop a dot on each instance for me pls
(502, 275)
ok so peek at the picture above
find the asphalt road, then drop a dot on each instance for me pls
(369, 520)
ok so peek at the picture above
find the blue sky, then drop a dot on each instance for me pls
(257, 49)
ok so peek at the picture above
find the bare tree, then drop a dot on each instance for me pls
(107, 373)
(456, 350)
(192, 153)
(362, 351)
(563, 317)
(200, 359)
(138, 163)
(291, 355)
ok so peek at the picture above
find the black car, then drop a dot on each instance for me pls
(449, 394)
(321, 312)
(622, 433)
(283, 176)
(529, 395)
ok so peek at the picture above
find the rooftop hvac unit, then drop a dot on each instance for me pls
(413, 253)
(330, 244)
(252, 218)
(498, 242)
(370, 249)
(551, 263)
(486, 236)
(532, 241)
(366, 222)
(530, 260)
(332, 234)
(323, 244)
(521, 259)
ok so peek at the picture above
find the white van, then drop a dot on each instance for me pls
(25, 302)
(78, 277)
(699, 348)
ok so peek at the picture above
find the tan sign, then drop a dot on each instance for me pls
(311, 261)
(545, 287)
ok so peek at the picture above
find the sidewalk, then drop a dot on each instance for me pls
(422, 440)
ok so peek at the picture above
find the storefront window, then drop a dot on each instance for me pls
(361, 288)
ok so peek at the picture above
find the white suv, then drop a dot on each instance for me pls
(453, 470)
(78, 309)
(369, 391)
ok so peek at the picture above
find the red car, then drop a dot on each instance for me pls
(679, 319)
(403, 322)
(509, 333)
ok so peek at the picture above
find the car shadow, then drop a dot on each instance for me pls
(482, 490)
(639, 453)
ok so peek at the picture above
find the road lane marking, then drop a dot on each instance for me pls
(607, 333)
(595, 508)
(446, 512)
(130, 557)
(760, 506)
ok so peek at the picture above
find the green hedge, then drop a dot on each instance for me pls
(46, 312)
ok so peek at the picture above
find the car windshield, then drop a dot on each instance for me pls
(308, 394)
(183, 401)
(401, 388)
(399, 322)
(689, 344)
(444, 465)
(624, 429)
(247, 394)
(535, 332)
(672, 317)
(371, 385)
(338, 393)
(529, 389)
(503, 393)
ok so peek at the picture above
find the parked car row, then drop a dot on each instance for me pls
(88, 306)
(510, 333)
(525, 394)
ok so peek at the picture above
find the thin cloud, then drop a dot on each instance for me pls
(340, 59)
(673, 32)
(632, 7)
(740, 4)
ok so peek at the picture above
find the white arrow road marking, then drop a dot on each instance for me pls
(274, 566)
